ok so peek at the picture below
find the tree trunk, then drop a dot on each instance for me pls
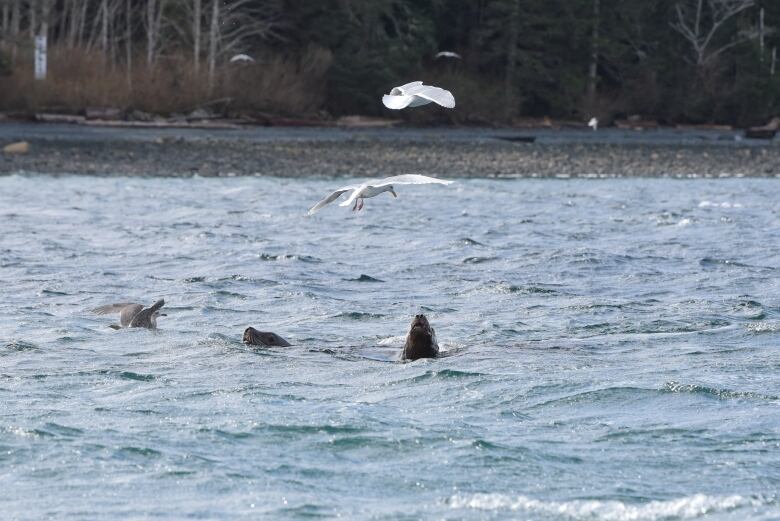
(104, 29)
(94, 30)
(213, 37)
(72, 27)
(115, 26)
(594, 56)
(761, 33)
(151, 31)
(129, 43)
(196, 30)
(697, 32)
(60, 20)
(45, 12)
(33, 18)
(82, 22)
(6, 19)
(16, 13)
(510, 99)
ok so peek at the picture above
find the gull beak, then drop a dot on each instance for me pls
(393, 192)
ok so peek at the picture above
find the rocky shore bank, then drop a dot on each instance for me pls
(370, 156)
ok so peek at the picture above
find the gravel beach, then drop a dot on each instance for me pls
(62, 149)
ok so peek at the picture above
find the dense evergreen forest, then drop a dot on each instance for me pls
(694, 61)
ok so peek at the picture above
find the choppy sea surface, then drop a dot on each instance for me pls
(611, 350)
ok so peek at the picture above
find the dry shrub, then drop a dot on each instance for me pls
(170, 86)
(278, 84)
(78, 79)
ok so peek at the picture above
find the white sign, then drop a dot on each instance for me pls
(40, 57)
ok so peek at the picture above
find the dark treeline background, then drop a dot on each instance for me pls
(696, 61)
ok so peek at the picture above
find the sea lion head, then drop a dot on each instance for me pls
(263, 338)
(421, 340)
(420, 322)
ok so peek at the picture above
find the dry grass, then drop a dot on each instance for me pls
(78, 79)
(293, 86)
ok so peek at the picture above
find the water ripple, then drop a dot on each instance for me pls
(609, 350)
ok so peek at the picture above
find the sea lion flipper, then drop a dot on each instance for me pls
(157, 305)
(147, 317)
(128, 314)
(112, 308)
(132, 314)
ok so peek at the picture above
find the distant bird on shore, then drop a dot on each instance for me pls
(133, 315)
(242, 58)
(593, 123)
(447, 54)
(415, 94)
(372, 188)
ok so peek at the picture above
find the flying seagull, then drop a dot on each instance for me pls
(415, 94)
(372, 188)
(244, 58)
(593, 123)
(133, 315)
(447, 54)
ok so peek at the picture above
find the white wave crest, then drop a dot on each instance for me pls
(19, 431)
(763, 327)
(391, 341)
(689, 507)
(706, 204)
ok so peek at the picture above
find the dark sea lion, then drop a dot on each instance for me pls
(133, 315)
(263, 338)
(421, 340)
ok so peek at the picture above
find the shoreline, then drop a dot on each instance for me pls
(330, 152)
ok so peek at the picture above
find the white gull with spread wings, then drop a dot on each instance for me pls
(447, 54)
(415, 94)
(373, 188)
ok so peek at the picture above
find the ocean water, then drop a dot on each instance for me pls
(611, 350)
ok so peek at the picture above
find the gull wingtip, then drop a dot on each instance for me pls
(387, 101)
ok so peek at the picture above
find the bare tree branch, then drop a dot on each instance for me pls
(234, 27)
(691, 16)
